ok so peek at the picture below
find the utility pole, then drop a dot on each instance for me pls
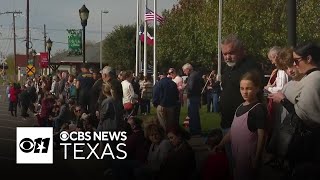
(45, 45)
(14, 36)
(27, 33)
(45, 38)
(292, 22)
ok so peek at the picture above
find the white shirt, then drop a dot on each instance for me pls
(281, 80)
(128, 92)
(179, 81)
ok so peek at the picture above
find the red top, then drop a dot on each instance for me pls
(216, 167)
(14, 94)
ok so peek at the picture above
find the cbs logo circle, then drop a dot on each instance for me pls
(64, 136)
(26, 145)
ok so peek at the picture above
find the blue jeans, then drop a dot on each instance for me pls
(193, 113)
(215, 102)
(210, 101)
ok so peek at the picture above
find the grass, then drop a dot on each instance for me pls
(208, 120)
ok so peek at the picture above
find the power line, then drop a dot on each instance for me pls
(35, 39)
(57, 30)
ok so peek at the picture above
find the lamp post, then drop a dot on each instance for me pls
(49, 45)
(102, 12)
(34, 54)
(84, 15)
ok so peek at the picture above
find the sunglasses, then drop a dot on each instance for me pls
(78, 110)
(297, 60)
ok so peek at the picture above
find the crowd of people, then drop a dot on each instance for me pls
(280, 119)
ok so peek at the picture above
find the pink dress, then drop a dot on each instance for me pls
(243, 145)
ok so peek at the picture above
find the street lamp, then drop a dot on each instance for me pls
(102, 12)
(84, 15)
(49, 45)
(34, 54)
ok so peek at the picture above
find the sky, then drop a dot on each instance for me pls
(59, 15)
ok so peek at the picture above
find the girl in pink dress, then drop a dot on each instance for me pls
(247, 133)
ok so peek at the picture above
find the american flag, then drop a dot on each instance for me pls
(149, 16)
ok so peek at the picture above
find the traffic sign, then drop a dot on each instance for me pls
(31, 70)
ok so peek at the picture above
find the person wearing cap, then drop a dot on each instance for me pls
(172, 73)
(84, 84)
(165, 97)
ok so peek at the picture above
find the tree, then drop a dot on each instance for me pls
(189, 32)
(183, 35)
(119, 49)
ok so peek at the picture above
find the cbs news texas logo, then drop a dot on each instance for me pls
(34, 145)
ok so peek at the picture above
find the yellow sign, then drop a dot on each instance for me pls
(31, 70)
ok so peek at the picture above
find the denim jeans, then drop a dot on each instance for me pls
(193, 113)
(210, 104)
(215, 102)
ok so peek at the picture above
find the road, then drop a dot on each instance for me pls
(60, 168)
(72, 168)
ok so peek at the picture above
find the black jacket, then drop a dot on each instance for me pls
(194, 84)
(231, 97)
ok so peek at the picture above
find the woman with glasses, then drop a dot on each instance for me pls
(304, 148)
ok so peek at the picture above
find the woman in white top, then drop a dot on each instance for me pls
(129, 97)
(276, 83)
(278, 76)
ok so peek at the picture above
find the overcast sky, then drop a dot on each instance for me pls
(59, 15)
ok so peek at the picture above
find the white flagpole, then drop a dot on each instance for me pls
(137, 37)
(219, 40)
(145, 41)
(154, 42)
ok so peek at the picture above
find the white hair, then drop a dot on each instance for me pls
(108, 70)
(274, 50)
(187, 66)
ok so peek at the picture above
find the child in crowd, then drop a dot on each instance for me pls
(247, 133)
(216, 164)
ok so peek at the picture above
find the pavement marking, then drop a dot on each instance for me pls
(5, 127)
(5, 139)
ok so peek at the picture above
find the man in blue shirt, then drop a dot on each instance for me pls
(165, 97)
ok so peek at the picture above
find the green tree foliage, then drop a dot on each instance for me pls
(190, 29)
(119, 48)
(184, 35)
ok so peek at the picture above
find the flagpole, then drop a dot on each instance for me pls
(219, 40)
(145, 40)
(154, 41)
(137, 37)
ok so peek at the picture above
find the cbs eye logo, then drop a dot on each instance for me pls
(39, 145)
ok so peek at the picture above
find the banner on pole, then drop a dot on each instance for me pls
(75, 42)
(44, 56)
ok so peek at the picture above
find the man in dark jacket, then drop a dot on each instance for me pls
(84, 84)
(237, 65)
(194, 87)
(25, 101)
